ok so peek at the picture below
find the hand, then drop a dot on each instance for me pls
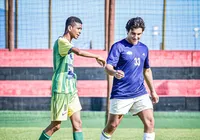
(119, 74)
(101, 61)
(155, 97)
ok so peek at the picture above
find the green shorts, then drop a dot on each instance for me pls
(64, 106)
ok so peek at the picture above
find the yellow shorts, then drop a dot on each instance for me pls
(64, 106)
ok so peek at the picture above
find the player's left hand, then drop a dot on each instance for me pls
(155, 97)
(101, 61)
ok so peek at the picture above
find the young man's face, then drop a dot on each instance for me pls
(75, 30)
(134, 35)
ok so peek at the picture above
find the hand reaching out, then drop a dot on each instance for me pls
(101, 61)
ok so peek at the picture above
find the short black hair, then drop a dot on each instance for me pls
(71, 20)
(135, 23)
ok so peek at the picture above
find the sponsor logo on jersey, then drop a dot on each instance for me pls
(129, 53)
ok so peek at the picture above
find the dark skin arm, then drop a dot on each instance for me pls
(98, 58)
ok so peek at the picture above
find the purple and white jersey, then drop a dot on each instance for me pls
(131, 59)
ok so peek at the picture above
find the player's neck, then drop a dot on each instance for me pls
(68, 37)
(131, 41)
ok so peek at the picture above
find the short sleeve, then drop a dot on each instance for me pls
(146, 62)
(64, 46)
(114, 54)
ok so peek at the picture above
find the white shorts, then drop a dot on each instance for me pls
(133, 105)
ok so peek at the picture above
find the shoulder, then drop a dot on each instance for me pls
(118, 45)
(121, 42)
(143, 45)
(62, 41)
(55, 44)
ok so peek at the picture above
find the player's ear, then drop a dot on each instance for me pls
(69, 28)
(127, 32)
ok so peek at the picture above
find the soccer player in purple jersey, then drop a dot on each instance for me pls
(128, 62)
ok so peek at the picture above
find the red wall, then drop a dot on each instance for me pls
(43, 58)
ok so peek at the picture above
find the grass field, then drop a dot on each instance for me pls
(27, 125)
(32, 133)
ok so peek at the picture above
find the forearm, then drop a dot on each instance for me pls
(83, 53)
(87, 54)
(149, 79)
(110, 70)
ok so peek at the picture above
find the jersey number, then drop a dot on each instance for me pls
(136, 61)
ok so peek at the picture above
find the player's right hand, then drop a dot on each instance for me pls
(101, 61)
(155, 97)
(119, 74)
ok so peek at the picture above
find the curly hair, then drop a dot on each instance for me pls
(135, 23)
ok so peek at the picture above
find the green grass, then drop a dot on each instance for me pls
(97, 119)
(32, 133)
(27, 125)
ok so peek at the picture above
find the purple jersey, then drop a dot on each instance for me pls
(131, 59)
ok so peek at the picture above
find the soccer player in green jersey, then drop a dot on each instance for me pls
(65, 101)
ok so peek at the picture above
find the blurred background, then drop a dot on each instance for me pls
(29, 28)
(33, 19)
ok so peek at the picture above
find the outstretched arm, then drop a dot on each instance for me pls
(79, 52)
(149, 80)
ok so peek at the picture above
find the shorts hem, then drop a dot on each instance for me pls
(75, 112)
(135, 113)
(117, 113)
(59, 120)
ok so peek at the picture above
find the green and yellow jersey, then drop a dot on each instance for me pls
(64, 78)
